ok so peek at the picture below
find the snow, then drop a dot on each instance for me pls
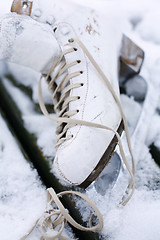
(22, 196)
(147, 29)
(140, 218)
(46, 137)
(132, 117)
(136, 87)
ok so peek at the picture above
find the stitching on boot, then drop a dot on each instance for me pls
(62, 174)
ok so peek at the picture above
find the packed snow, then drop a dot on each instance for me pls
(22, 195)
(140, 219)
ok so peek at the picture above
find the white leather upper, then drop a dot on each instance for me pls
(34, 44)
(77, 158)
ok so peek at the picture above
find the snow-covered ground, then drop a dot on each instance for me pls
(22, 196)
(140, 219)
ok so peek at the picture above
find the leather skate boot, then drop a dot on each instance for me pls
(83, 95)
(83, 81)
(83, 151)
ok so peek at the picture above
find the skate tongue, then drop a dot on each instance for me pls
(27, 42)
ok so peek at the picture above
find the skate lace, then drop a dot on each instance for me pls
(64, 118)
(62, 105)
(56, 218)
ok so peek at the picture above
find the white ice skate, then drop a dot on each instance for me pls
(83, 79)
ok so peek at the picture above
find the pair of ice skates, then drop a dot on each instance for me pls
(77, 51)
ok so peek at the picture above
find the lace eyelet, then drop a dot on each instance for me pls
(72, 136)
(71, 40)
(79, 97)
(78, 61)
(81, 72)
(55, 29)
(82, 84)
(75, 49)
(77, 111)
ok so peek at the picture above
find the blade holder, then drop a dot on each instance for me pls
(23, 7)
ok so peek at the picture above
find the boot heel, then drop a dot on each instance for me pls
(131, 55)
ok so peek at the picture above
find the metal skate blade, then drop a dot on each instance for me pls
(108, 177)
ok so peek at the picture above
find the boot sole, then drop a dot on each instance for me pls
(104, 159)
